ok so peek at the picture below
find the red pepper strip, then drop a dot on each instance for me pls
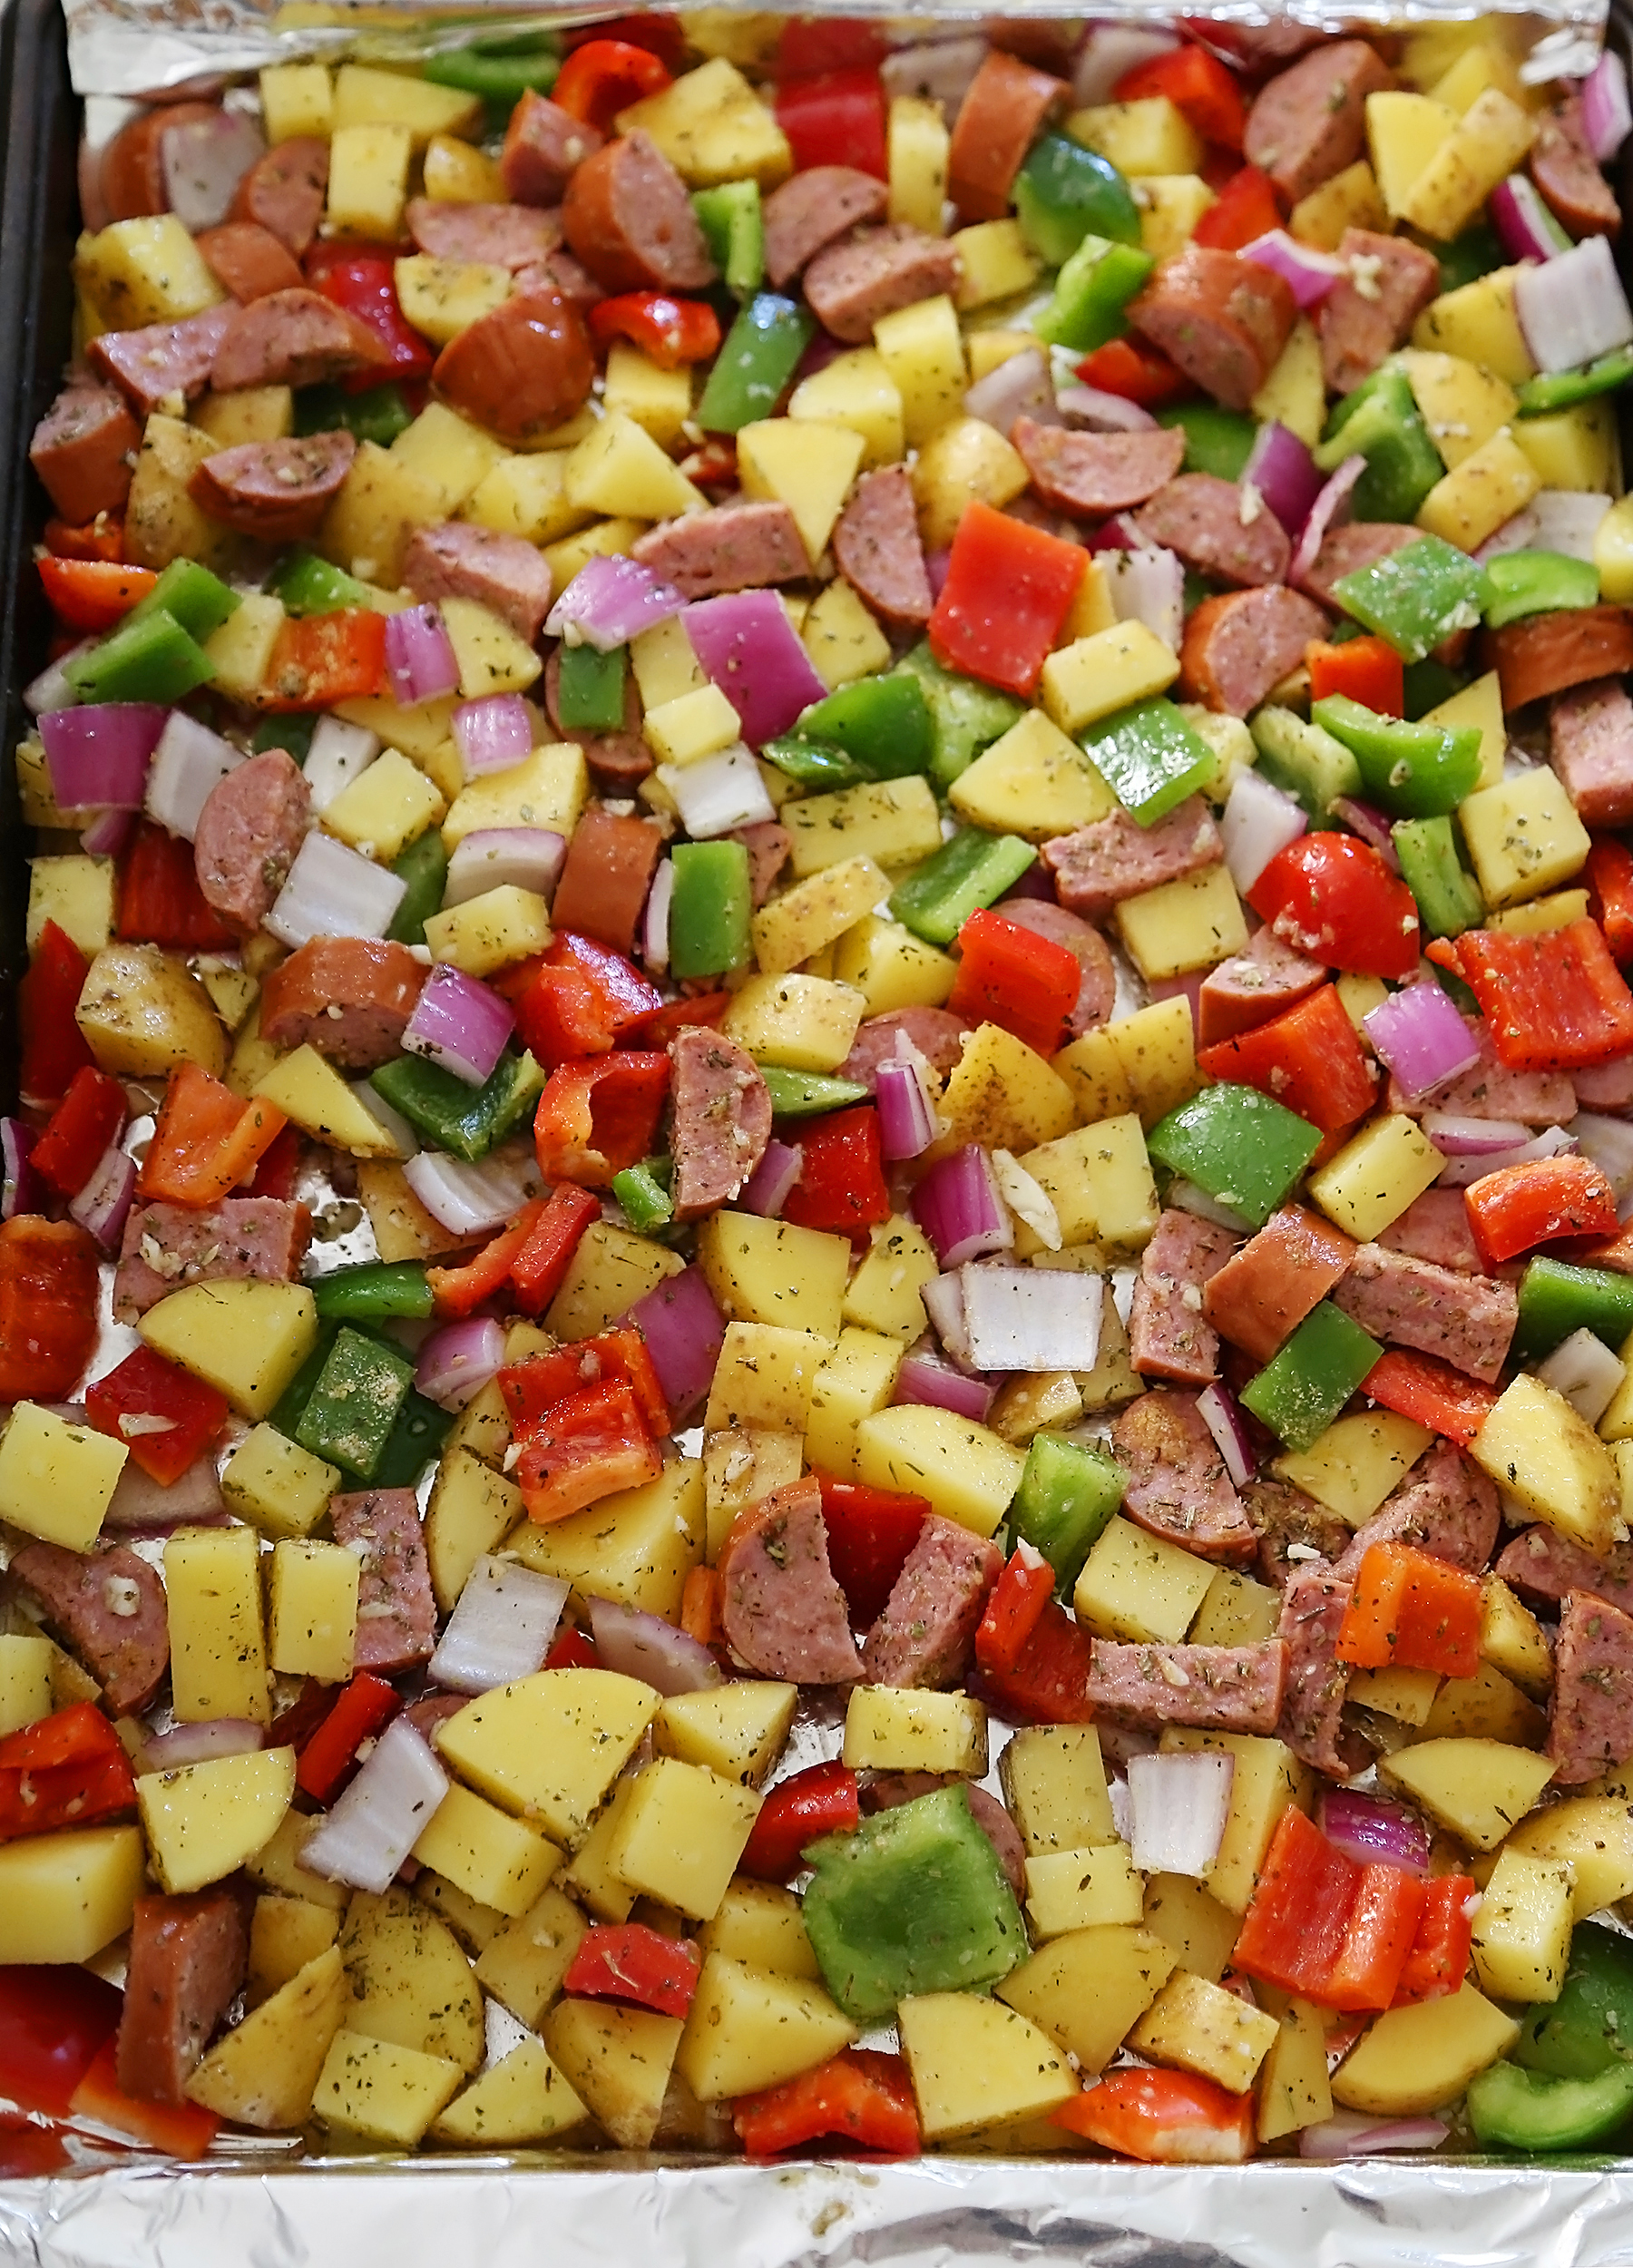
(1008, 592)
(460, 1291)
(145, 1387)
(1409, 1610)
(533, 1388)
(278, 1167)
(1555, 1001)
(659, 1028)
(1139, 372)
(365, 1709)
(53, 1046)
(580, 999)
(870, 1532)
(861, 2095)
(605, 76)
(574, 1651)
(1198, 87)
(836, 118)
(1331, 895)
(1294, 1929)
(1378, 1938)
(93, 594)
(627, 1961)
(1439, 1960)
(1431, 1392)
(1010, 976)
(293, 1728)
(101, 538)
(205, 1141)
(364, 285)
(822, 1800)
(88, 1118)
(1014, 1609)
(160, 900)
(594, 1119)
(1049, 1684)
(1521, 1206)
(1610, 894)
(319, 660)
(1162, 2118)
(52, 2020)
(30, 2151)
(809, 43)
(540, 1268)
(1308, 1059)
(1245, 209)
(180, 2130)
(590, 1444)
(841, 1187)
(48, 1293)
(669, 331)
(69, 1770)
(700, 1606)
(1366, 669)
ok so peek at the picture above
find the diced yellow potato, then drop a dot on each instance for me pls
(254, 412)
(142, 272)
(762, 1926)
(774, 1272)
(922, 350)
(1475, 70)
(620, 469)
(24, 1682)
(857, 389)
(523, 1966)
(1171, 205)
(805, 920)
(974, 2062)
(891, 1729)
(891, 821)
(857, 1378)
(312, 1610)
(1268, 1778)
(1054, 1783)
(1488, 487)
(277, 1867)
(683, 1833)
(657, 400)
(1486, 1706)
(310, 1092)
(967, 1472)
(403, 1228)
(285, 1935)
(1089, 680)
(1138, 1587)
(447, 449)
(525, 496)
(966, 457)
(1558, 911)
(1293, 2090)
(492, 932)
(1463, 405)
(142, 1013)
(1236, 1611)
(805, 1023)
(521, 2098)
(765, 1376)
(1199, 1931)
(1534, 1445)
(1376, 1175)
(1147, 136)
(549, 1745)
(1178, 926)
(842, 637)
(1356, 1462)
(369, 180)
(735, 1731)
(590, 1874)
(742, 1464)
(440, 297)
(246, 1338)
(1578, 448)
(1417, 2059)
(1350, 200)
(471, 1511)
(1404, 134)
(381, 2092)
(55, 1477)
(1479, 324)
(203, 1820)
(883, 1293)
(712, 127)
(492, 658)
(1091, 612)
(1480, 704)
(1612, 556)
(387, 806)
(547, 789)
(807, 463)
(1099, 1183)
(1295, 394)
(240, 651)
(375, 511)
(606, 537)
(1485, 144)
(1405, 1695)
(65, 1895)
(369, 97)
(636, 1545)
(410, 1982)
(298, 99)
(695, 724)
(1034, 781)
(1511, 1639)
(1087, 1987)
(502, 1861)
(751, 2028)
(611, 1270)
(76, 893)
(264, 2071)
(420, 731)
(887, 965)
(1001, 1094)
(1476, 1789)
(988, 350)
(1145, 1064)
(1195, 2026)
(456, 174)
(212, 1585)
(917, 144)
(618, 2060)
(996, 262)
(1593, 1833)
(1093, 1888)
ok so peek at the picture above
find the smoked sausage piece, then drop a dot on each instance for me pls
(248, 260)
(1096, 472)
(253, 823)
(522, 369)
(607, 873)
(161, 359)
(628, 217)
(83, 449)
(998, 120)
(285, 192)
(813, 209)
(1223, 320)
(132, 164)
(877, 548)
(1566, 170)
(1549, 653)
(1220, 529)
(186, 1962)
(852, 285)
(781, 1610)
(277, 491)
(506, 236)
(1310, 121)
(348, 997)
(294, 338)
(1239, 643)
(109, 1604)
(542, 144)
(502, 572)
(722, 1119)
(1371, 310)
(734, 547)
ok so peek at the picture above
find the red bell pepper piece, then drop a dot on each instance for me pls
(1137, 372)
(364, 285)
(590, 1443)
(1245, 209)
(1521, 1206)
(1409, 1610)
(160, 900)
(70, 1770)
(363, 1709)
(1555, 1001)
(1010, 976)
(660, 35)
(700, 1606)
(836, 118)
(1293, 1931)
(595, 1119)
(1048, 1683)
(628, 1962)
(1331, 896)
(861, 2095)
(52, 2020)
(32, 2149)
(207, 1139)
(605, 76)
(533, 1388)
(93, 594)
(90, 1116)
(1378, 1938)
(581, 999)
(540, 1268)
(1430, 1392)
(1162, 2118)
(669, 331)
(101, 538)
(180, 2130)
(278, 1169)
(319, 660)
(659, 1028)
(1308, 1059)
(1439, 1960)
(574, 1651)
(1008, 592)
(822, 1800)
(809, 43)
(1366, 669)
(164, 1416)
(48, 1296)
(1198, 87)
(870, 1532)
(460, 1291)
(841, 1186)
(293, 1728)
(1610, 894)
(1014, 1609)
(53, 1046)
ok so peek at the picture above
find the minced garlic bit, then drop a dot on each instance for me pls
(1172, 1673)
(1250, 505)
(122, 1596)
(1365, 270)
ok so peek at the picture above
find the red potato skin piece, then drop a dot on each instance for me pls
(522, 369)
(1221, 319)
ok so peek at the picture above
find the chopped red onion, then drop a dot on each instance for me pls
(1528, 230)
(1178, 1808)
(1283, 470)
(333, 891)
(1110, 50)
(1354, 2135)
(1572, 309)
(1120, 533)
(98, 756)
(1458, 1137)
(1032, 1319)
(1420, 1037)
(1583, 1369)
(719, 793)
(1310, 275)
(773, 1180)
(655, 919)
(1330, 510)
(1148, 585)
(1093, 408)
(201, 1744)
(610, 600)
(943, 1304)
(1217, 1408)
(1609, 1143)
(1607, 114)
(188, 762)
(101, 1206)
(203, 161)
(1020, 386)
(339, 754)
(108, 834)
(1461, 1173)
(51, 691)
(468, 1201)
(20, 1190)
(1370, 1827)
(960, 1207)
(529, 857)
(1258, 820)
(644, 1646)
(460, 1023)
(938, 71)
(684, 1331)
(908, 1121)
(1370, 824)
(502, 1627)
(140, 1505)
(494, 733)
(1518, 535)
(745, 644)
(455, 1363)
(420, 661)
(924, 1377)
(376, 1822)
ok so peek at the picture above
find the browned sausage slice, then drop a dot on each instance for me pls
(1096, 472)
(1260, 1297)
(1227, 1688)
(396, 1609)
(1370, 310)
(83, 449)
(851, 285)
(285, 192)
(938, 1034)
(248, 260)
(609, 868)
(294, 338)
(523, 369)
(734, 547)
(1344, 550)
(1310, 121)
(542, 144)
(501, 572)
(925, 1635)
(348, 997)
(278, 491)
(1097, 866)
(1253, 986)
(1240, 643)
(877, 550)
(1548, 653)
(188, 1959)
(722, 1119)
(1590, 747)
(1177, 1484)
(1568, 173)
(506, 236)
(132, 164)
(629, 218)
(162, 358)
(781, 1609)
(1590, 1710)
(109, 1604)
(253, 823)
(1221, 319)
(813, 208)
(998, 120)
(1219, 529)
(167, 1247)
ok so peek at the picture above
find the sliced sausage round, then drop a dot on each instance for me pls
(542, 144)
(1240, 643)
(1360, 327)
(1096, 472)
(811, 209)
(1566, 170)
(1097, 993)
(1345, 551)
(505, 236)
(1310, 121)
(733, 547)
(286, 190)
(1548, 652)
(277, 491)
(1000, 118)
(294, 338)
(629, 218)
(938, 1034)
(852, 285)
(605, 877)
(502, 572)
(83, 449)
(109, 1604)
(348, 997)
(722, 1119)
(522, 369)
(877, 548)
(1210, 524)
(161, 359)
(252, 823)
(132, 164)
(781, 1610)
(248, 260)
(1223, 320)
(187, 1963)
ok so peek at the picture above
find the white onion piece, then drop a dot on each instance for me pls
(718, 793)
(468, 1201)
(943, 1304)
(402, 1134)
(939, 72)
(501, 1627)
(1358, 2136)
(1148, 587)
(204, 160)
(338, 753)
(644, 1646)
(1460, 1173)
(1609, 1143)
(1217, 1407)
(1109, 51)
(375, 1822)
(1567, 522)
(333, 891)
(1583, 1369)
(199, 1744)
(189, 761)
(1572, 309)
(1185, 1196)
(532, 857)
(655, 921)
(1258, 820)
(1178, 1806)
(1020, 386)
(51, 690)
(1030, 1319)
(1457, 1136)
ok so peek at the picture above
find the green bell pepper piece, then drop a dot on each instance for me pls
(286, 1414)
(1417, 596)
(414, 1442)
(1559, 389)
(1589, 2027)
(709, 913)
(972, 871)
(882, 723)
(148, 660)
(734, 232)
(377, 1291)
(423, 866)
(1558, 1297)
(965, 716)
(1536, 583)
(500, 70)
(1217, 441)
(803, 1094)
(1301, 1390)
(1428, 683)
(377, 414)
(760, 355)
(1533, 2110)
(291, 733)
(1386, 427)
(1245, 1150)
(1069, 1490)
(467, 1121)
(589, 695)
(915, 1900)
(815, 763)
(1303, 762)
(1090, 293)
(647, 1204)
(1468, 257)
(1449, 899)
(190, 594)
(1150, 758)
(1412, 771)
(309, 585)
(353, 1406)
(1065, 192)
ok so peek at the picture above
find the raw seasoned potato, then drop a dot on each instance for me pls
(276, 1486)
(749, 2028)
(892, 1729)
(547, 789)
(1085, 1988)
(1054, 1782)
(285, 1935)
(523, 2098)
(855, 390)
(735, 1730)
(1404, 133)
(1488, 142)
(884, 1295)
(1150, 135)
(202, 1820)
(966, 457)
(64, 1896)
(264, 2072)
(681, 1834)
(1478, 1789)
(1081, 1889)
(893, 821)
(887, 965)
(76, 893)
(1236, 1611)
(1478, 323)
(1414, 2059)
(967, 1472)
(761, 1925)
(140, 271)
(409, 1982)
(856, 1379)
(974, 2062)
(212, 1584)
(368, 97)
(24, 1682)
(1293, 2090)
(277, 1866)
(1195, 2026)
(1356, 1462)
(1524, 836)
(522, 1964)
(636, 1545)
(808, 464)
(1033, 782)
(471, 1511)
(805, 1023)
(1199, 1933)
(56, 1477)
(618, 2060)
(774, 1272)
(1375, 1175)
(1138, 1587)
(740, 1465)
(382, 2092)
(842, 639)
(1000, 1094)
(1594, 1835)
(142, 1014)
(247, 1339)
(162, 521)
(500, 1863)
(549, 1745)
(1522, 1930)
(310, 1092)
(1534, 1445)
(1086, 681)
